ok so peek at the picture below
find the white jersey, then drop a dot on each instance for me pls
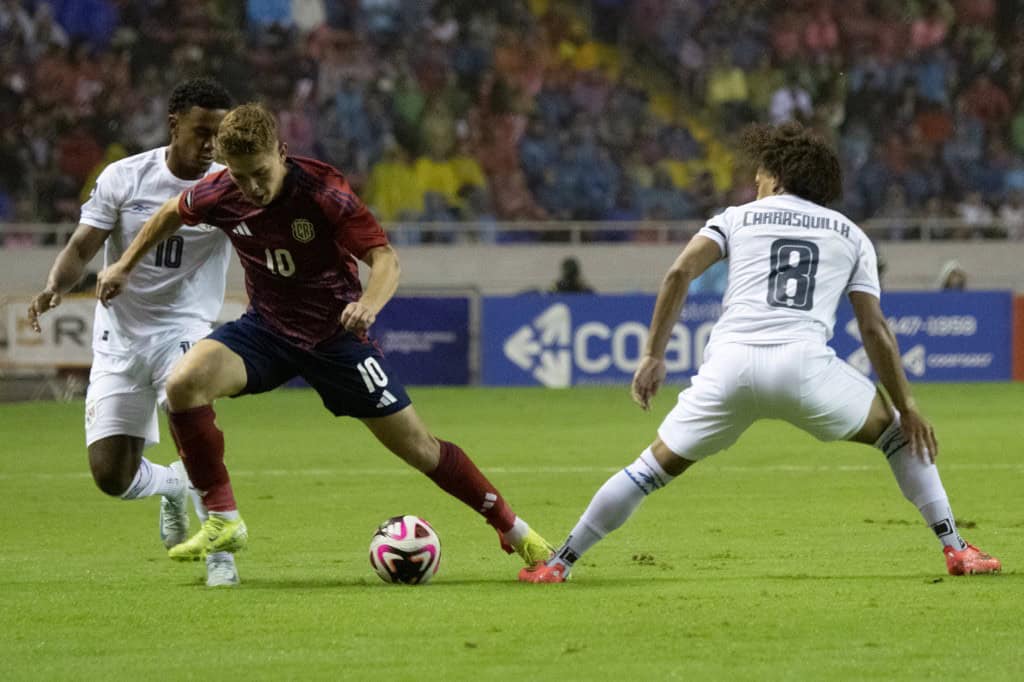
(790, 261)
(179, 285)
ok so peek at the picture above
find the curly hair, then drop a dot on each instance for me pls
(247, 129)
(801, 161)
(204, 93)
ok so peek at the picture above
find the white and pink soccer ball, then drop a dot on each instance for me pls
(405, 549)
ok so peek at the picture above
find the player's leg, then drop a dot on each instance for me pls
(220, 566)
(708, 418)
(120, 421)
(238, 358)
(353, 379)
(208, 371)
(445, 463)
(920, 483)
(842, 404)
(114, 462)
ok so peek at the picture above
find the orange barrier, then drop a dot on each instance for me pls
(1018, 338)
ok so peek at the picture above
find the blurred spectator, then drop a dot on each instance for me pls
(931, 25)
(263, 14)
(790, 102)
(15, 21)
(571, 280)
(392, 191)
(1011, 215)
(976, 215)
(932, 219)
(297, 123)
(577, 109)
(987, 101)
(727, 90)
(952, 276)
(436, 175)
(895, 212)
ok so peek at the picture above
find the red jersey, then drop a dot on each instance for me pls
(299, 252)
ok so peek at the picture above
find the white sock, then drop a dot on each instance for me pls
(517, 533)
(153, 479)
(220, 556)
(613, 503)
(920, 483)
(197, 503)
(231, 515)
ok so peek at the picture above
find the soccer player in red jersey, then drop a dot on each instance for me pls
(298, 229)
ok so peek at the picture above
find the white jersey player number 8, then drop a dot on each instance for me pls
(794, 263)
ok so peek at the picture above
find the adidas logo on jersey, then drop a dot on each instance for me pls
(242, 230)
(386, 399)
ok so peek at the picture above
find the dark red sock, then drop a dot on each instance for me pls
(201, 446)
(459, 477)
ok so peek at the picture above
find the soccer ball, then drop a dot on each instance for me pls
(405, 549)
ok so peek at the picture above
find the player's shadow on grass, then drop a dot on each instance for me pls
(707, 578)
(605, 582)
(363, 583)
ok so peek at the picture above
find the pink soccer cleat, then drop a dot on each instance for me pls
(542, 573)
(970, 561)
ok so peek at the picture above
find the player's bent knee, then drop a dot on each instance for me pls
(111, 482)
(111, 475)
(880, 415)
(185, 389)
(672, 463)
(113, 462)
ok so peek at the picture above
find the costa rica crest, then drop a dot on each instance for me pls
(302, 230)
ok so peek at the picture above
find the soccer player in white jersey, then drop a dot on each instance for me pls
(790, 260)
(170, 302)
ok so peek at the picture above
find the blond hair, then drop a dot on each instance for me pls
(247, 129)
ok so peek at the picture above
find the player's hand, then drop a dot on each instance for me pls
(920, 434)
(110, 282)
(357, 318)
(47, 299)
(647, 380)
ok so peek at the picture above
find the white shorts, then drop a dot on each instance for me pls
(126, 388)
(803, 383)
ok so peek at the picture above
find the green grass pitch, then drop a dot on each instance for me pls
(782, 558)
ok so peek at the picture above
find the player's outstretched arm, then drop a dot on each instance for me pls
(700, 254)
(160, 226)
(380, 287)
(884, 352)
(67, 270)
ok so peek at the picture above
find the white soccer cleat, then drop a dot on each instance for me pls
(174, 511)
(221, 570)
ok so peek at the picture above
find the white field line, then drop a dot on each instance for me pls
(342, 471)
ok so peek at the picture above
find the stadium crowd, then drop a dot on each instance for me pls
(617, 110)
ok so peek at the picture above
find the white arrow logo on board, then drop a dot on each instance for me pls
(853, 329)
(914, 360)
(548, 359)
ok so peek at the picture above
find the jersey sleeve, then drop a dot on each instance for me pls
(356, 229)
(195, 203)
(103, 208)
(718, 230)
(865, 271)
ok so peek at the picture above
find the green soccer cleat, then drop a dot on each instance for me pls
(534, 549)
(216, 535)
